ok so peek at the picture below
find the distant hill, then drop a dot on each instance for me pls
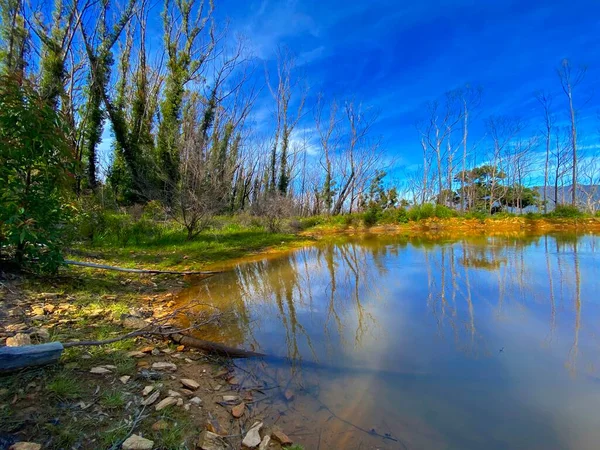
(584, 191)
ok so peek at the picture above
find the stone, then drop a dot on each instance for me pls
(231, 398)
(134, 322)
(160, 425)
(196, 401)
(41, 334)
(147, 349)
(180, 348)
(136, 354)
(164, 366)
(238, 410)
(187, 392)
(190, 384)
(135, 442)
(173, 393)
(100, 370)
(179, 401)
(18, 340)
(264, 444)
(150, 400)
(281, 437)
(147, 390)
(212, 441)
(25, 446)
(125, 379)
(37, 311)
(289, 395)
(49, 308)
(252, 438)
(233, 381)
(165, 403)
(155, 352)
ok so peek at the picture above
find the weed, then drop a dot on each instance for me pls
(65, 386)
(112, 400)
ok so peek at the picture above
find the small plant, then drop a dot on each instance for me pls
(402, 215)
(371, 216)
(64, 387)
(566, 212)
(112, 400)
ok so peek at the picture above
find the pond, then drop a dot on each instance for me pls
(398, 343)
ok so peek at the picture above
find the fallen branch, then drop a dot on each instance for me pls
(212, 347)
(125, 269)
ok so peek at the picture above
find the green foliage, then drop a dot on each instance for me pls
(34, 174)
(420, 212)
(402, 215)
(371, 216)
(566, 212)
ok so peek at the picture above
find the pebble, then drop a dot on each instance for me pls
(231, 398)
(135, 442)
(289, 395)
(172, 393)
(190, 384)
(212, 441)
(100, 370)
(238, 410)
(150, 400)
(147, 390)
(164, 366)
(25, 446)
(166, 402)
(252, 438)
(18, 340)
(264, 444)
(196, 401)
(124, 379)
(136, 354)
(281, 437)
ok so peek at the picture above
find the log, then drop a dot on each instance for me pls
(125, 269)
(213, 347)
(15, 358)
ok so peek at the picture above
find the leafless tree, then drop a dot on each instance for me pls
(545, 101)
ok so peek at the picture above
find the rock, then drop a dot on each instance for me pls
(231, 398)
(164, 366)
(187, 392)
(160, 425)
(49, 308)
(264, 444)
(37, 311)
(167, 351)
(252, 438)
(100, 370)
(289, 395)
(109, 367)
(172, 393)
(150, 400)
(238, 410)
(179, 401)
(124, 379)
(136, 354)
(196, 401)
(180, 348)
(18, 340)
(233, 381)
(25, 446)
(155, 352)
(190, 384)
(165, 403)
(49, 295)
(281, 437)
(147, 349)
(212, 441)
(135, 442)
(134, 322)
(147, 390)
(42, 334)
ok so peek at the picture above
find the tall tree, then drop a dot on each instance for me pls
(545, 101)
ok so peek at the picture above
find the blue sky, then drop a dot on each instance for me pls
(397, 55)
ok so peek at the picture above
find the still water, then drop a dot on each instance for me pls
(396, 343)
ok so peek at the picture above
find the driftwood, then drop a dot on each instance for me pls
(213, 347)
(15, 358)
(125, 269)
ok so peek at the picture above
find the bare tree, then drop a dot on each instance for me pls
(545, 101)
(569, 81)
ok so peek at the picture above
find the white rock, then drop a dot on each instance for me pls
(164, 366)
(231, 398)
(151, 399)
(196, 401)
(135, 442)
(100, 370)
(252, 438)
(179, 401)
(166, 402)
(124, 379)
(25, 446)
(190, 384)
(264, 444)
(172, 393)
(213, 441)
(147, 390)
(18, 340)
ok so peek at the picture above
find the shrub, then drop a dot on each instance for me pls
(566, 212)
(443, 212)
(371, 216)
(421, 212)
(34, 175)
(401, 215)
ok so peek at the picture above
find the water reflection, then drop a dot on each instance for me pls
(471, 343)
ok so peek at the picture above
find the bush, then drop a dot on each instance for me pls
(421, 212)
(566, 212)
(34, 175)
(443, 212)
(371, 216)
(401, 215)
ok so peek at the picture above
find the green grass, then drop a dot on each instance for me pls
(65, 386)
(112, 399)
